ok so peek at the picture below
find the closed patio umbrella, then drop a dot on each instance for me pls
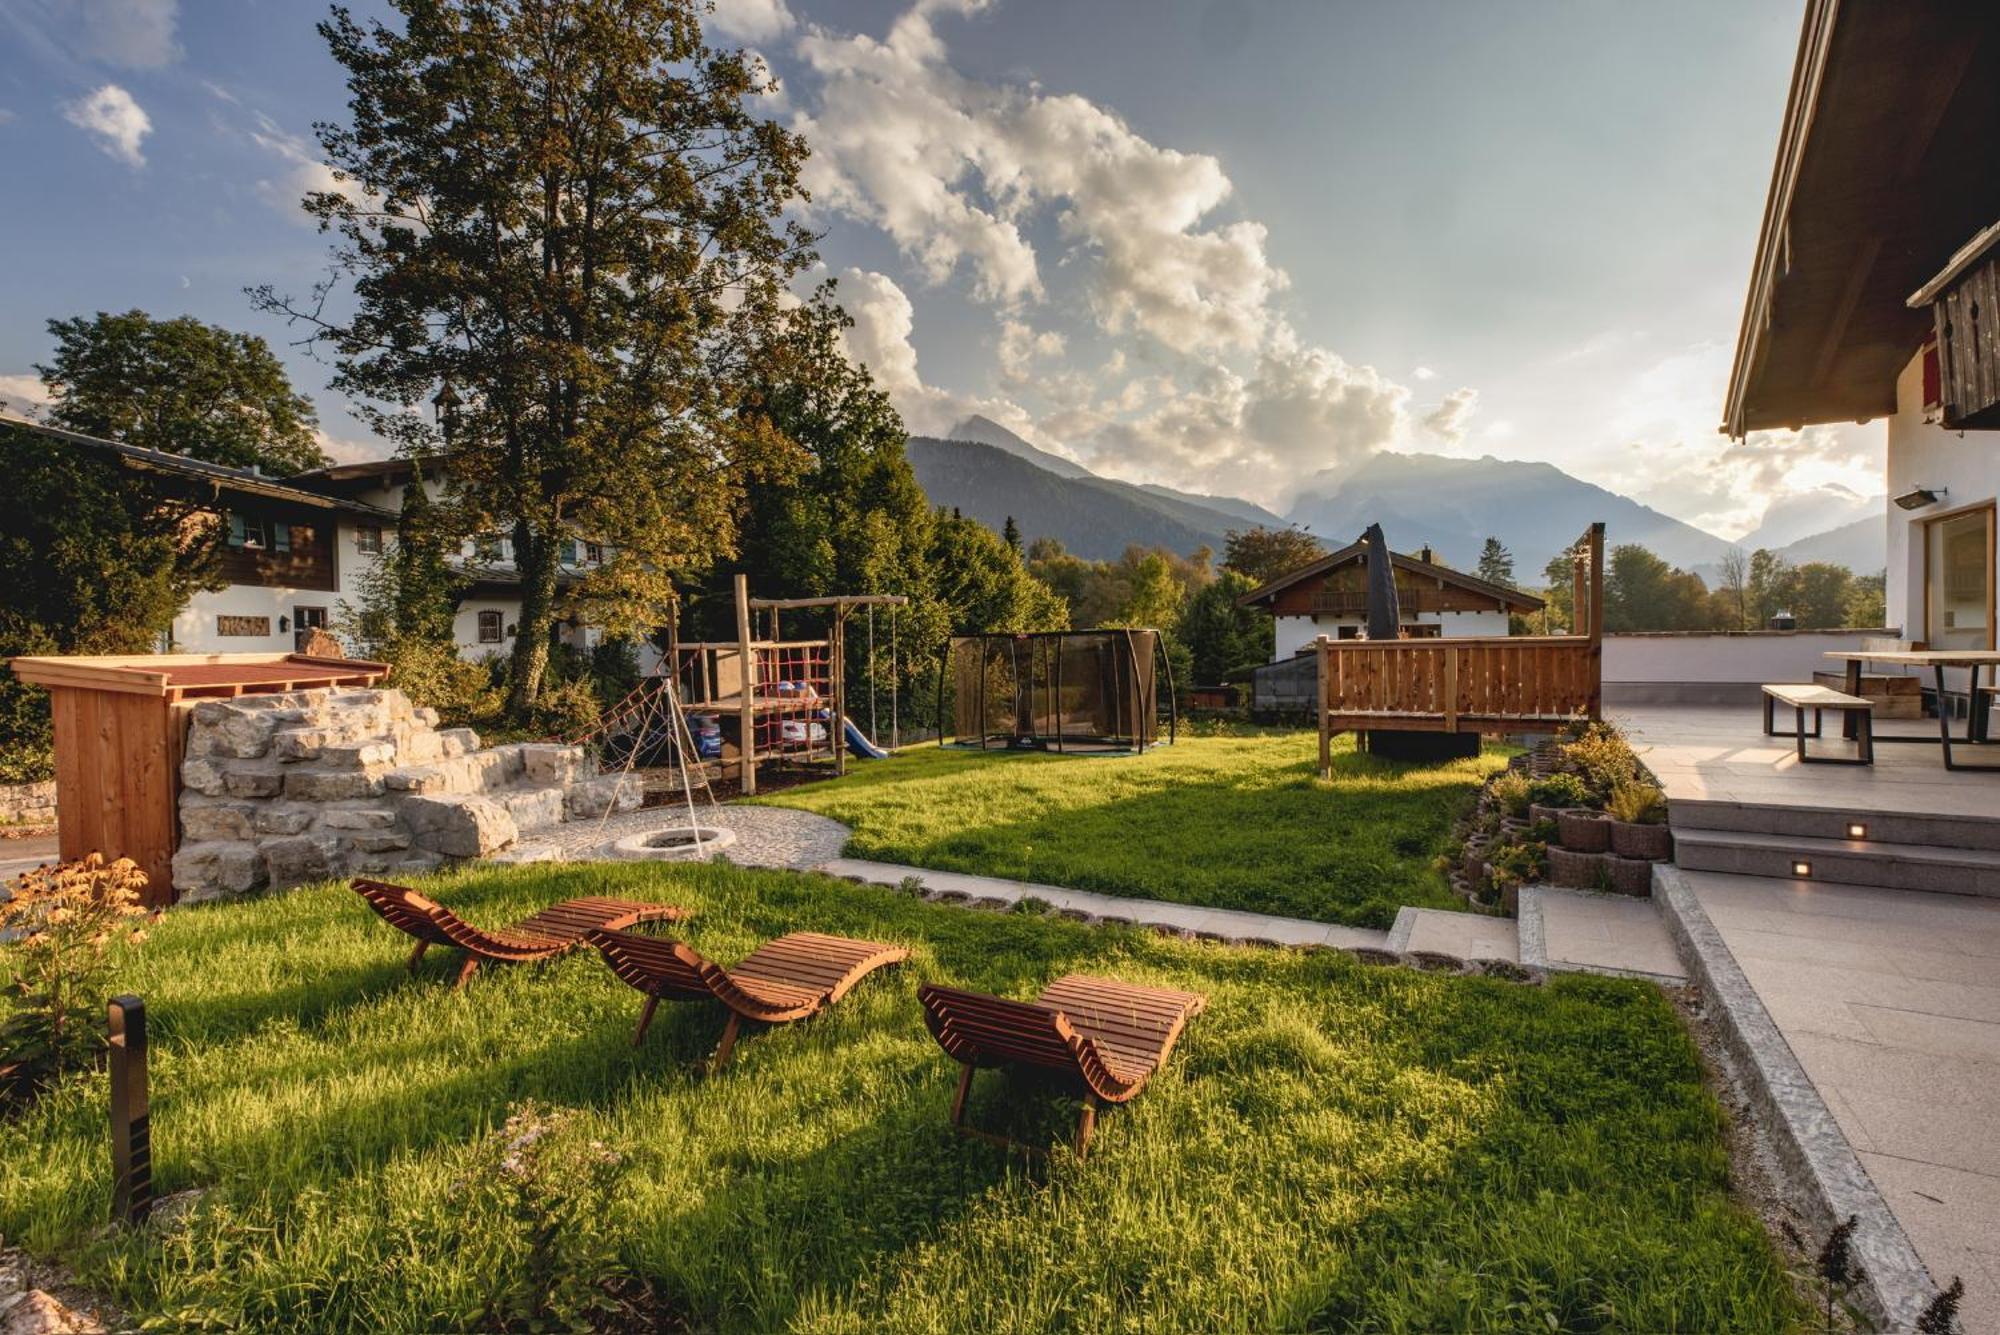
(1385, 619)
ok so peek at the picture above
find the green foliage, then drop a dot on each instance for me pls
(568, 711)
(1513, 792)
(1637, 804)
(1260, 555)
(1602, 758)
(1496, 563)
(183, 387)
(1225, 641)
(1559, 790)
(65, 921)
(1519, 862)
(1238, 820)
(1642, 592)
(1331, 1146)
(984, 585)
(598, 297)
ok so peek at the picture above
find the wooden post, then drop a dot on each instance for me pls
(1320, 707)
(837, 725)
(131, 1121)
(1450, 688)
(1595, 545)
(747, 752)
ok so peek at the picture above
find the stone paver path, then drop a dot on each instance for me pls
(1229, 923)
(1470, 936)
(765, 836)
(1596, 933)
(1890, 1000)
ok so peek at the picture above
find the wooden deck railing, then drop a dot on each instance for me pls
(1487, 684)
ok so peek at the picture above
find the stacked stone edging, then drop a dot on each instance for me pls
(310, 785)
(28, 803)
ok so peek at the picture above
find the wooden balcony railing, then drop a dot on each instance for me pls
(1486, 684)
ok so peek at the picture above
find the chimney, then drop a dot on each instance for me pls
(1424, 555)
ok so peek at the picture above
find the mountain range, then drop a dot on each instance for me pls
(1450, 504)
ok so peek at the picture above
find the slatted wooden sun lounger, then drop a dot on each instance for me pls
(1099, 1036)
(788, 979)
(541, 936)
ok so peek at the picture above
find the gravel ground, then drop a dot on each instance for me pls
(765, 836)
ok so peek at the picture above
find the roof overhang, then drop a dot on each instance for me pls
(1885, 168)
(1355, 551)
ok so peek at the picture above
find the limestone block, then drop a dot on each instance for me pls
(201, 775)
(459, 825)
(357, 818)
(457, 775)
(332, 785)
(225, 728)
(546, 762)
(534, 808)
(283, 819)
(211, 870)
(359, 755)
(459, 741)
(613, 792)
(425, 715)
(420, 747)
(38, 1312)
(253, 783)
(295, 744)
(205, 819)
(299, 858)
(385, 841)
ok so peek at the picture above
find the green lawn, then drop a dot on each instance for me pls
(1333, 1146)
(1238, 821)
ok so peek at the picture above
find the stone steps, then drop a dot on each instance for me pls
(1835, 823)
(1869, 862)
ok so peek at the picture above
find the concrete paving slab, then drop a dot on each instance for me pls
(1471, 936)
(1592, 932)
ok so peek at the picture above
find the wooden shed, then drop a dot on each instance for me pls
(120, 724)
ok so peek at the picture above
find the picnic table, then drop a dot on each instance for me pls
(1936, 660)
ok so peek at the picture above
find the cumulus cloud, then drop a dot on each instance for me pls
(304, 172)
(1021, 345)
(138, 34)
(751, 20)
(1447, 420)
(23, 395)
(960, 171)
(111, 117)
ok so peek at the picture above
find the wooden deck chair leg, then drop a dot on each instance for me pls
(728, 1044)
(470, 967)
(417, 955)
(958, 1098)
(645, 1019)
(1085, 1125)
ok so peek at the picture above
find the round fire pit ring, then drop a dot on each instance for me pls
(672, 843)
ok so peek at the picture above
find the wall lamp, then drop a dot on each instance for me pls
(1916, 498)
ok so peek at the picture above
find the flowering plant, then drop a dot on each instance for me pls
(57, 928)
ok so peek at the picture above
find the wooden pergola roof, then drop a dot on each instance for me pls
(1885, 168)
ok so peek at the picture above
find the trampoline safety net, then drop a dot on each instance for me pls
(1083, 691)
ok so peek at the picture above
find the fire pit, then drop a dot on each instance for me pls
(672, 843)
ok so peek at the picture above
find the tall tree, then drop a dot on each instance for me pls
(1733, 589)
(180, 386)
(1266, 553)
(1010, 533)
(570, 215)
(1226, 640)
(1496, 563)
(1642, 592)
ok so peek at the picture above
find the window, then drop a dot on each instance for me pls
(253, 534)
(1958, 580)
(593, 552)
(368, 539)
(489, 627)
(569, 552)
(305, 622)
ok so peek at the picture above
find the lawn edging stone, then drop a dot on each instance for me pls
(1822, 1168)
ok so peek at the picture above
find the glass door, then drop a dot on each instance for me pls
(1958, 580)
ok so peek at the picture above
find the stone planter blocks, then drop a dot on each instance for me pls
(1653, 843)
(1584, 831)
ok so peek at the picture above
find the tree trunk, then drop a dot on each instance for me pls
(535, 559)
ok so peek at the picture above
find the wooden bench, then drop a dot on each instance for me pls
(1799, 698)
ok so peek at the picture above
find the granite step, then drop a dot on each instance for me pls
(1870, 862)
(1880, 827)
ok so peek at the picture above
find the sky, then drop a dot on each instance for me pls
(1222, 245)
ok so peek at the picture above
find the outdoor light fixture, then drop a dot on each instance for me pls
(1916, 498)
(1856, 830)
(1802, 868)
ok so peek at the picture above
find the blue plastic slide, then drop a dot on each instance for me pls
(858, 742)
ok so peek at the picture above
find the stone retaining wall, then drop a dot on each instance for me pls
(305, 786)
(28, 803)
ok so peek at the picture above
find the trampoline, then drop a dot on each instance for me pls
(1081, 691)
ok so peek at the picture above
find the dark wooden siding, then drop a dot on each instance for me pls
(1968, 340)
(308, 565)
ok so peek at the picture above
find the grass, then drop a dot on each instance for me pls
(1333, 1146)
(1239, 820)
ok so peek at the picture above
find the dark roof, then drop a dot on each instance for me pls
(1884, 170)
(1354, 551)
(219, 478)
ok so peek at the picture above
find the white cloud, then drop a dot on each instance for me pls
(1021, 345)
(751, 20)
(305, 173)
(347, 450)
(118, 123)
(1447, 420)
(1423, 373)
(23, 395)
(138, 34)
(959, 172)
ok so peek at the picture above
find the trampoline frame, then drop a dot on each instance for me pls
(1145, 712)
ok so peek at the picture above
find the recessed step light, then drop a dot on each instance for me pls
(1801, 867)
(1856, 830)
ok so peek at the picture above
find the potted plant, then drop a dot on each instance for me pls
(1514, 864)
(1638, 813)
(1550, 795)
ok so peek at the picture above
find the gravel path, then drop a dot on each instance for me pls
(765, 836)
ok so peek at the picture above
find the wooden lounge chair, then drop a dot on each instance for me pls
(1098, 1036)
(788, 979)
(541, 936)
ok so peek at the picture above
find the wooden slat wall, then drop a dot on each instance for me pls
(1968, 326)
(117, 771)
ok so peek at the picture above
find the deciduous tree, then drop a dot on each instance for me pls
(1263, 554)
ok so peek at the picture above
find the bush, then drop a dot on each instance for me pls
(27, 733)
(67, 917)
(1637, 804)
(1560, 790)
(1512, 792)
(431, 673)
(1602, 759)
(569, 711)
(1519, 863)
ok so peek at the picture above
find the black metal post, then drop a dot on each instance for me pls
(131, 1130)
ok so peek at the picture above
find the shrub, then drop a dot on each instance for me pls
(569, 711)
(554, 1191)
(67, 916)
(1601, 758)
(1637, 804)
(1560, 790)
(1519, 862)
(1511, 791)
(433, 674)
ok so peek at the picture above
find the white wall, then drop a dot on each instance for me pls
(1296, 632)
(1924, 455)
(194, 629)
(1717, 666)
